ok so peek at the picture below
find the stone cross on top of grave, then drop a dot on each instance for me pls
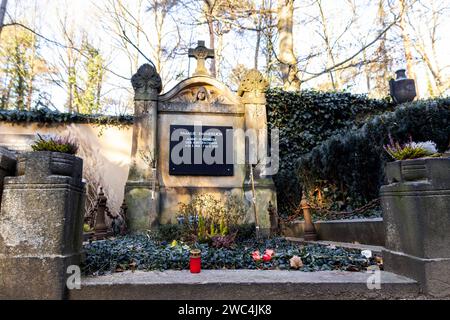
(201, 53)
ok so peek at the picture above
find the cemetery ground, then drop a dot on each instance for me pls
(142, 252)
(146, 267)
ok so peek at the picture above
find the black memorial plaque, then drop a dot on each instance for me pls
(201, 151)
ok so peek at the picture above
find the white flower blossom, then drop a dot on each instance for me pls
(429, 146)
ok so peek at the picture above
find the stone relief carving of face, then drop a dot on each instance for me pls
(201, 94)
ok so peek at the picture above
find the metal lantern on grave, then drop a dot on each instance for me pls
(101, 229)
(402, 89)
(310, 233)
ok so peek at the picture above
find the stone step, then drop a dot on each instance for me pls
(243, 285)
(368, 231)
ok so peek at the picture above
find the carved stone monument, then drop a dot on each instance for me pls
(252, 92)
(193, 138)
(141, 190)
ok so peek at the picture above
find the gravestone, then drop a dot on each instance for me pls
(192, 140)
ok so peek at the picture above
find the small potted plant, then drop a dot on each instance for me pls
(413, 161)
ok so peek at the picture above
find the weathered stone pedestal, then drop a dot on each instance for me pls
(265, 195)
(416, 207)
(41, 226)
(143, 205)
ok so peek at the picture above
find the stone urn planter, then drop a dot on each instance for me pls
(55, 168)
(46, 163)
(402, 89)
(41, 225)
(416, 213)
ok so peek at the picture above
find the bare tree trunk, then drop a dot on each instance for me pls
(99, 95)
(430, 56)
(30, 93)
(209, 12)
(258, 39)
(219, 56)
(367, 72)
(257, 46)
(159, 20)
(406, 40)
(212, 40)
(381, 68)
(435, 72)
(287, 57)
(334, 77)
(32, 73)
(268, 37)
(6, 95)
(138, 36)
(2, 14)
(71, 80)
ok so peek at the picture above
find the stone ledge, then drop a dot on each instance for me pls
(243, 285)
(364, 231)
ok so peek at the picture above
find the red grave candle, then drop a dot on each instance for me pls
(195, 261)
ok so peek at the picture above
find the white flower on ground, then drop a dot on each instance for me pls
(367, 253)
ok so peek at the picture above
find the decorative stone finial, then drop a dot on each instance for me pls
(145, 81)
(201, 53)
(253, 82)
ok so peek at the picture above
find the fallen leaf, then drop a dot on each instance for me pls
(296, 262)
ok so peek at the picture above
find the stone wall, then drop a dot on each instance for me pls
(105, 151)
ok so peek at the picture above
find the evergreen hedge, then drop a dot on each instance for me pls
(352, 163)
(305, 119)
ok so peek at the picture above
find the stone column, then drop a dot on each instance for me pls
(41, 225)
(416, 215)
(252, 92)
(7, 167)
(142, 188)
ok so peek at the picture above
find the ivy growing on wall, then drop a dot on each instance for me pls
(51, 117)
(305, 119)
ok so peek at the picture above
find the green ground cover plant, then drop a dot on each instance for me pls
(143, 252)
